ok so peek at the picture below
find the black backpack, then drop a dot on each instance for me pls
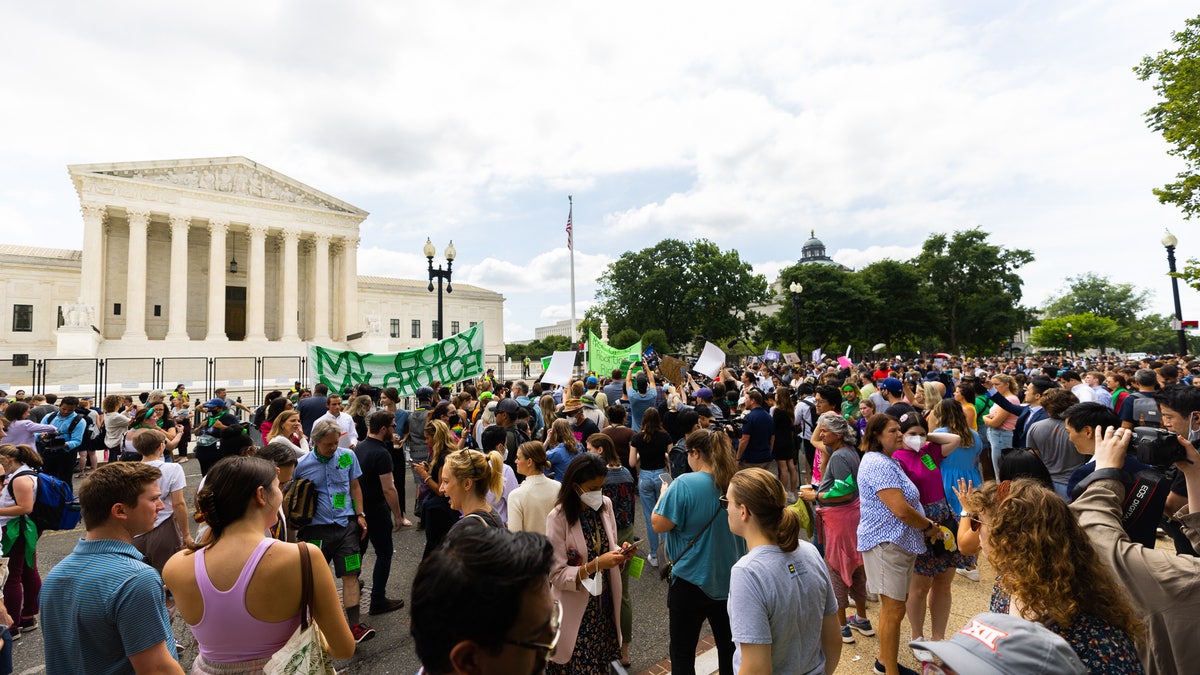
(1145, 411)
(57, 442)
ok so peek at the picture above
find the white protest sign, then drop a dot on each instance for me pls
(710, 361)
(559, 370)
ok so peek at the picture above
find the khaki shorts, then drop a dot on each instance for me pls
(889, 570)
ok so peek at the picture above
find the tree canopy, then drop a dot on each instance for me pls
(1086, 331)
(1176, 75)
(685, 289)
(1094, 294)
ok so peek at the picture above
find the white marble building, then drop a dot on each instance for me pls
(156, 273)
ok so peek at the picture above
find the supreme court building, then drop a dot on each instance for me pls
(217, 257)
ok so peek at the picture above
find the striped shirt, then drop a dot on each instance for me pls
(101, 605)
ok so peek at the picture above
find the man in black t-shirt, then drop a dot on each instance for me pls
(580, 424)
(381, 504)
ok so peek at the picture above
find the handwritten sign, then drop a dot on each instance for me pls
(457, 358)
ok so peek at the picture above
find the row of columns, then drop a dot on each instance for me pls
(218, 229)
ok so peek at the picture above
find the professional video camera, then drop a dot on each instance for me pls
(51, 441)
(1157, 447)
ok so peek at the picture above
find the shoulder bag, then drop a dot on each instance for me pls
(306, 652)
(665, 571)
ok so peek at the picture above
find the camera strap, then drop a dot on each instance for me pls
(1141, 495)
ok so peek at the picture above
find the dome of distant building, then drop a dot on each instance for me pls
(814, 252)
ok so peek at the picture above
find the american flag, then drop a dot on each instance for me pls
(570, 211)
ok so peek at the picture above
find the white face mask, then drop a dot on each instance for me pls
(914, 442)
(593, 499)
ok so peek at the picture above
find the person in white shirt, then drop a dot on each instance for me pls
(532, 501)
(1069, 379)
(345, 422)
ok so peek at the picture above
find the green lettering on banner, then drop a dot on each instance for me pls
(602, 359)
(454, 359)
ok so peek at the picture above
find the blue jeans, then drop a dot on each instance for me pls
(648, 489)
(1001, 441)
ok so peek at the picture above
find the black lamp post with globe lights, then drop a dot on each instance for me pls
(440, 275)
(1169, 241)
(796, 290)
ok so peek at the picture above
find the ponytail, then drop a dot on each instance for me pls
(715, 449)
(23, 454)
(495, 478)
(762, 494)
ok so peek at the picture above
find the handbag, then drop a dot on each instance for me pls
(306, 652)
(665, 571)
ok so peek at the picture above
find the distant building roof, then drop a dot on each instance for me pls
(814, 253)
(414, 284)
(39, 252)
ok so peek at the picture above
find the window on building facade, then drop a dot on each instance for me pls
(416, 328)
(436, 334)
(22, 318)
(117, 309)
(473, 324)
(454, 328)
(395, 328)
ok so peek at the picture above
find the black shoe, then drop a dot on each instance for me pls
(384, 607)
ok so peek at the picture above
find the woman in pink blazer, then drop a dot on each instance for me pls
(585, 574)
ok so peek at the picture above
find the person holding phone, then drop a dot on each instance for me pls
(621, 490)
(583, 531)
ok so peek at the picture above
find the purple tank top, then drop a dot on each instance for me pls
(227, 632)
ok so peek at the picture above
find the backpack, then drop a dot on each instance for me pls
(300, 502)
(808, 420)
(1145, 411)
(534, 425)
(54, 504)
(677, 459)
(57, 442)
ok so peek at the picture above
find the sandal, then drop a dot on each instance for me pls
(405, 522)
(183, 460)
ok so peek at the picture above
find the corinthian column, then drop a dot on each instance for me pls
(321, 289)
(256, 291)
(291, 303)
(349, 295)
(177, 312)
(91, 278)
(135, 276)
(216, 280)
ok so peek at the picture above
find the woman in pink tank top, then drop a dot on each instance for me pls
(240, 591)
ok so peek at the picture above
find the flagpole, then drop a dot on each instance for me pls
(571, 248)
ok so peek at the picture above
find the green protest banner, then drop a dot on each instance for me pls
(602, 359)
(454, 359)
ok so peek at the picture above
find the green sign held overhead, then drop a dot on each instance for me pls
(602, 359)
(454, 359)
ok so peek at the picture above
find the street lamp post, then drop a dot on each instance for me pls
(1070, 340)
(796, 290)
(1169, 241)
(440, 274)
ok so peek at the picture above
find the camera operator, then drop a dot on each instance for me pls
(1179, 409)
(1162, 585)
(1144, 510)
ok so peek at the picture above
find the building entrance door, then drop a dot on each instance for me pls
(235, 312)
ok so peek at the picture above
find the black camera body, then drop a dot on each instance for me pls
(1157, 447)
(51, 440)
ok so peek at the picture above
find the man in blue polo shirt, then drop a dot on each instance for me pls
(339, 523)
(102, 607)
(758, 433)
(60, 461)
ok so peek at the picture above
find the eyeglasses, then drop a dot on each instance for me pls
(976, 522)
(548, 647)
(724, 502)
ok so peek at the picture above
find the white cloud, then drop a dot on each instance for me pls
(857, 259)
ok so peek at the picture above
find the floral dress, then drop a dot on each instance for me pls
(597, 644)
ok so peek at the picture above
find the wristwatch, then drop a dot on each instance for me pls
(1101, 474)
(360, 515)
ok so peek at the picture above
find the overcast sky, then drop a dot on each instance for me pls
(874, 123)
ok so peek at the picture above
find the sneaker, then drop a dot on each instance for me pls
(903, 671)
(652, 560)
(973, 575)
(921, 655)
(847, 636)
(863, 626)
(30, 624)
(388, 605)
(362, 632)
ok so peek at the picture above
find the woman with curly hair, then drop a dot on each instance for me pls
(1052, 575)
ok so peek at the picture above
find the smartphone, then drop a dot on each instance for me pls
(633, 546)
(665, 478)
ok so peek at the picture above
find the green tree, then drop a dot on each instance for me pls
(975, 290)
(1086, 331)
(1176, 75)
(895, 312)
(624, 338)
(683, 288)
(1094, 294)
(658, 338)
(831, 308)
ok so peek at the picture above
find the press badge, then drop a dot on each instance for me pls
(339, 501)
(345, 461)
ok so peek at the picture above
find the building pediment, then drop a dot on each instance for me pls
(231, 176)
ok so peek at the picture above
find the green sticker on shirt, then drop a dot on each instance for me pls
(345, 461)
(928, 462)
(339, 501)
(353, 562)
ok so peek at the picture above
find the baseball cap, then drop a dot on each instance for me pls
(892, 384)
(591, 382)
(424, 393)
(1005, 645)
(215, 403)
(508, 406)
(704, 394)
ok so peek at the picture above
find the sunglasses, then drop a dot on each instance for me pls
(724, 502)
(976, 522)
(548, 647)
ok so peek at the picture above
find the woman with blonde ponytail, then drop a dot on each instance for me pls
(467, 478)
(771, 610)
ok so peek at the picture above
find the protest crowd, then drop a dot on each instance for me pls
(791, 507)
